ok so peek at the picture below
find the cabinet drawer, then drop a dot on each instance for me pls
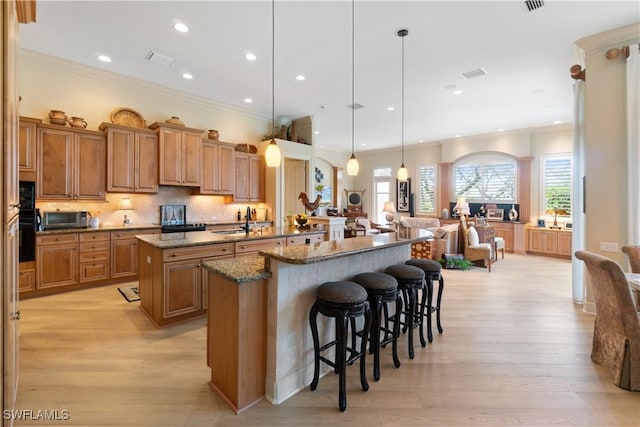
(94, 256)
(257, 245)
(27, 280)
(94, 271)
(131, 234)
(101, 236)
(57, 239)
(94, 246)
(300, 240)
(206, 251)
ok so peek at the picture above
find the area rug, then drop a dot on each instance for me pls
(130, 293)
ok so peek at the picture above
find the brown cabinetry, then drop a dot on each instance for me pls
(132, 159)
(27, 276)
(249, 182)
(179, 158)
(302, 238)
(549, 242)
(94, 256)
(218, 168)
(251, 247)
(27, 138)
(506, 231)
(70, 164)
(56, 260)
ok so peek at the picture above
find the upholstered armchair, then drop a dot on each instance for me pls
(473, 249)
(616, 334)
(633, 253)
(369, 227)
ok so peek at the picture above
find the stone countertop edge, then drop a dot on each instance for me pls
(135, 227)
(239, 270)
(319, 252)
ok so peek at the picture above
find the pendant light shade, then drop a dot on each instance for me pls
(272, 155)
(353, 167)
(403, 174)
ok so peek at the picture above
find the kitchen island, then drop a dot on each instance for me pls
(172, 285)
(271, 305)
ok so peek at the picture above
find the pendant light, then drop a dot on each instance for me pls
(352, 166)
(403, 175)
(272, 155)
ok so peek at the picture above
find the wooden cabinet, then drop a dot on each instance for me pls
(56, 260)
(179, 158)
(124, 252)
(249, 181)
(94, 256)
(302, 238)
(251, 247)
(218, 168)
(549, 242)
(27, 137)
(132, 159)
(506, 231)
(71, 164)
(27, 276)
(171, 281)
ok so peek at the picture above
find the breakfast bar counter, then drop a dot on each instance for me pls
(259, 340)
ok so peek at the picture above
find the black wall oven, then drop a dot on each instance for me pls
(27, 221)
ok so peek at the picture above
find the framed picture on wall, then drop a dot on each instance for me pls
(403, 192)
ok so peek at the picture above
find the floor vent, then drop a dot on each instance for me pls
(158, 58)
(474, 73)
(532, 5)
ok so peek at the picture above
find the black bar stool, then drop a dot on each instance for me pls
(410, 280)
(433, 271)
(343, 301)
(382, 289)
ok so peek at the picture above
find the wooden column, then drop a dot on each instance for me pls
(524, 188)
(444, 186)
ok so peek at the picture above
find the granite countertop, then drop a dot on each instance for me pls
(198, 238)
(239, 270)
(318, 252)
(122, 227)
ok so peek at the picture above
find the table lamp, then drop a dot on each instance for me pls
(390, 209)
(125, 205)
(461, 207)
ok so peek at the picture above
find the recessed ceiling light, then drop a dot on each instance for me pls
(104, 58)
(249, 56)
(300, 77)
(500, 130)
(457, 92)
(557, 122)
(248, 100)
(458, 136)
(187, 76)
(422, 140)
(362, 144)
(179, 26)
(317, 132)
(390, 108)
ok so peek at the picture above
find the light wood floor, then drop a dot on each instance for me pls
(515, 352)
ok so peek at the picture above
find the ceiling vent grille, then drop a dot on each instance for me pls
(478, 72)
(532, 5)
(355, 106)
(158, 58)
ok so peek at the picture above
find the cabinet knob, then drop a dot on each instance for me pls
(174, 254)
(242, 247)
(224, 249)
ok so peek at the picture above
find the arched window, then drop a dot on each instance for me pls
(486, 178)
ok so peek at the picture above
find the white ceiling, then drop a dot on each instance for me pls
(527, 56)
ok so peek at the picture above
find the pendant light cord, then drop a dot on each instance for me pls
(273, 67)
(353, 66)
(404, 33)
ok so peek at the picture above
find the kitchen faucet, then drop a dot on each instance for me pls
(246, 220)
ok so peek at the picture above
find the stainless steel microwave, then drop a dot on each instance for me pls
(65, 219)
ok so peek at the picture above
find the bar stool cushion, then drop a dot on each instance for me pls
(405, 272)
(342, 292)
(376, 281)
(427, 265)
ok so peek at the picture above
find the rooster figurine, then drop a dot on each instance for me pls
(310, 206)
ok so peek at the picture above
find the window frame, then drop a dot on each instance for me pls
(418, 191)
(484, 160)
(374, 200)
(543, 185)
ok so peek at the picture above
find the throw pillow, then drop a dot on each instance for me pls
(473, 237)
(440, 233)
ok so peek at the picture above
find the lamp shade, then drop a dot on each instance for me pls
(125, 204)
(272, 155)
(461, 207)
(353, 167)
(389, 207)
(403, 174)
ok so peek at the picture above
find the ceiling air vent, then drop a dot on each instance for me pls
(474, 73)
(532, 5)
(355, 106)
(158, 58)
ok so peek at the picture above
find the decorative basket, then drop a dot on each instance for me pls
(246, 148)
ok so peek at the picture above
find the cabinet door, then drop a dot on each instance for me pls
(564, 243)
(550, 240)
(191, 144)
(227, 169)
(506, 232)
(27, 148)
(90, 165)
(256, 177)
(210, 182)
(54, 159)
(11, 313)
(124, 258)
(27, 276)
(120, 160)
(146, 163)
(536, 243)
(170, 156)
(181, 287)
(56, 265)
(241, 193)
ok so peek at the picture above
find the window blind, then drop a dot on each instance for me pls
(426, 189)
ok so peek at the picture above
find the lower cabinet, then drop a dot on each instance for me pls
(56, 260)
(94, 256)
(27, 276)
(302, 239)
(545, 241)
(252, 247)
(506, 231)
(124, 252)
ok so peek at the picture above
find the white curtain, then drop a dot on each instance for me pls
(633, 143)
(577, 214)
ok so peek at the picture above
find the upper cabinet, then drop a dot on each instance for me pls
(179, 157)
(249, 185)
(70, 164)
(27, 137)
(218, 168)
(132, 159)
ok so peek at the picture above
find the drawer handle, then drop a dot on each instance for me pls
(57, 239)
(174, 255)
(279, 243)
(242, 247)
(224, 249)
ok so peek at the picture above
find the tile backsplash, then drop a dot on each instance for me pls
(147, 207)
